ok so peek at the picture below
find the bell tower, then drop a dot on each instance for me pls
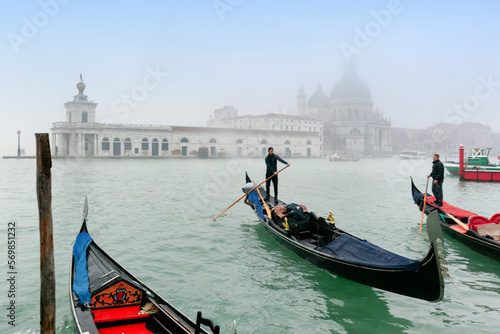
(80, 110)
(301, 102)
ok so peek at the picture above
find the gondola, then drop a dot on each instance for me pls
(478, 233)
(319, 241)
(107, 299)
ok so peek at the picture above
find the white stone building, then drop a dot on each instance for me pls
(80, 136)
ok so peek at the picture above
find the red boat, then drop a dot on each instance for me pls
(476, 173)
(479, 233)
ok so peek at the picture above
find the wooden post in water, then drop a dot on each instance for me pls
(47, 272)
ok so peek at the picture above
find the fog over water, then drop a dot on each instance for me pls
(174, 62)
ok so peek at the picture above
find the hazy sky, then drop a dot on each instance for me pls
(174, 62)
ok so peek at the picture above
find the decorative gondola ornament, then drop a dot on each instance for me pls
(330, 218)
(285, 225)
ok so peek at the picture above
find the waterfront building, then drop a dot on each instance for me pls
(444, 138)
(81, 136)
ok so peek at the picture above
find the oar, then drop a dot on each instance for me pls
(423, 208)
(265, 204)
(246, 194)
(464, 226)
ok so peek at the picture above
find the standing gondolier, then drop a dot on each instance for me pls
(438, 178)
(271, 163)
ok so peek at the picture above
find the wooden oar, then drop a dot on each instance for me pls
(247, 193)
(464, 226)
(265, 204)
(423, 208)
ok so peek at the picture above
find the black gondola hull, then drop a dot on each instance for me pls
(484, 247)
(426, 283)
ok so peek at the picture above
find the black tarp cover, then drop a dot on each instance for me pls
(362, 252)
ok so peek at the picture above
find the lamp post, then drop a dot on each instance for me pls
(18, 143)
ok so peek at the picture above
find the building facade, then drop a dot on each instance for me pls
(351, 124)
(80, 136)
(443, 138)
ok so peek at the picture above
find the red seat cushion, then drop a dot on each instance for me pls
(133, 328)
(118, 313)
(476, 221)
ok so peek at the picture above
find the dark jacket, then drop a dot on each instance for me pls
(272, 161)
(437, 170)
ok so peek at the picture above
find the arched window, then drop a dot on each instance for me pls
(239, 141)
(308, 142)
(155, 148)
(145, 144)
(213, 141)
(263, 142)
(105, 144)
(184, 140)
(164, 145)
(128, 144)
(287, 142)
(116, 139)
(355, 131)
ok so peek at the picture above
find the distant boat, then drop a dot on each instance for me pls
(336, 158)
(477, 159)
(407, 155)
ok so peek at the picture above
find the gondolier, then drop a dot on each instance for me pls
(438, 178)
(271, 163)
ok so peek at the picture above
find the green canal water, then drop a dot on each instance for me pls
(149, 215)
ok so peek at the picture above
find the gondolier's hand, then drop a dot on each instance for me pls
(275, 173)
(288, 165)
(428, 176)
(435, 181)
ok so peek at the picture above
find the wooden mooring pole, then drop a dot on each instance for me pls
(47, 272)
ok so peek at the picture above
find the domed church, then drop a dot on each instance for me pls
(351, 125)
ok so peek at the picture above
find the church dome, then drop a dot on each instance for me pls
(350, 86)
(318, 99)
